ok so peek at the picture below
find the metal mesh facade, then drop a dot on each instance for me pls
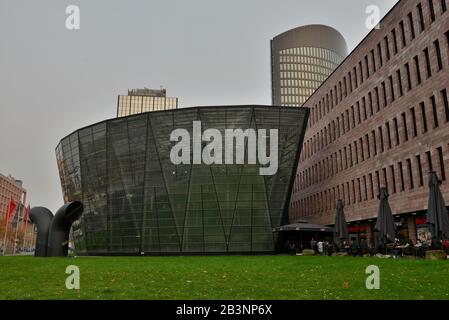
(138, 202)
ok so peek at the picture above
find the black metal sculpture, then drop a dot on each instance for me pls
(53, 231)
(41, 217)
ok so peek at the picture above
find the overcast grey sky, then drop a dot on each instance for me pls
(206, 52)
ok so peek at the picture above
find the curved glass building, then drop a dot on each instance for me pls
(301, 59)
(138, 202)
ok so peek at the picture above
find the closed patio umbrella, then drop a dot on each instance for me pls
(385, 225)
(341, 228)
(437, 215)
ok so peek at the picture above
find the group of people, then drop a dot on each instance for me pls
(418, 249)
(355, 248)
(321, 247)
(19, 250)
(363, 247)
(327, 247)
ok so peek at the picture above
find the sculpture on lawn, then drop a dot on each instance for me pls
(52, 239)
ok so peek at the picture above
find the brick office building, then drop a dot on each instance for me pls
(381, 119)
(12, 189)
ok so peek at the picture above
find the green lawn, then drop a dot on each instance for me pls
(222, 277)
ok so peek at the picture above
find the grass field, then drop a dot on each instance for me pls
(222, 277)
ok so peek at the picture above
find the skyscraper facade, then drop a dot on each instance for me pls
(144, 100)
(381, 120)
(301, 59)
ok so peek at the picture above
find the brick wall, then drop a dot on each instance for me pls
(352, 136)
(9, 189)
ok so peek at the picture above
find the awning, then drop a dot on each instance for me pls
(303, 226)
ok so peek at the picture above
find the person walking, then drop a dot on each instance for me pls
(363, 247)
(327, 248)
(287, 245)
(320, 247)
(354, 248)
(445, 245)
(313, 245)
(292, 248)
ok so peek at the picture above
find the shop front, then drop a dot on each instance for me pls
(422, 229)
(358, 232)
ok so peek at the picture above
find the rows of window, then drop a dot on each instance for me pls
(129, 105)
(322, 66)
(417, 120)
(293, 94)
(402, 81)
(301, 80)
(303, 84)
(393, 42)
(302, 70)
(9, 190)
(6, 194)
(309, 55)
(5, 199)
(9, 187)
(306, 72)
(320, 69)
(296, 100)
(403, 176)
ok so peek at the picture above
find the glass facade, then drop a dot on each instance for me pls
(137, 202)
(303, 70)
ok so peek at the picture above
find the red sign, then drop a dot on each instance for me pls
(356, 229)
(420, 220)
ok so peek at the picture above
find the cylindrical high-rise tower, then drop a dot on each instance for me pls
(301, 59)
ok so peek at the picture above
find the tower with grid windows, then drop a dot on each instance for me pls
(144, 100)
(301, 59)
